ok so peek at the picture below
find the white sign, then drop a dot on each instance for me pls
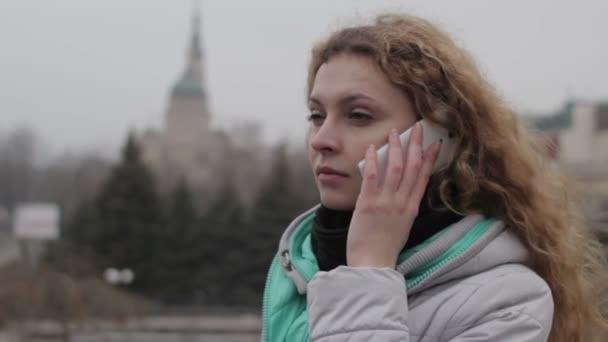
(37, 221)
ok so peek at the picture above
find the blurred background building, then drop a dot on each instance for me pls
(188, 148)
(576, 139)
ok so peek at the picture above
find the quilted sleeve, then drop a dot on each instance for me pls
(358, 304)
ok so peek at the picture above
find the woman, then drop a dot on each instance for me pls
(484, 249)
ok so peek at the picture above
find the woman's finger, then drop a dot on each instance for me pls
(394, 164)
(430, 155)
(370, 172)
(413, 161)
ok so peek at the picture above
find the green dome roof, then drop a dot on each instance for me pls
(188, 87)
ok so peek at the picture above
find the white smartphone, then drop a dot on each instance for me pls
(430, 134)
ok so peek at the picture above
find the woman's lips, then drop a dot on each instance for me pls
(327, 174)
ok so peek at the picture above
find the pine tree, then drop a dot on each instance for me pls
(182, 248)
(277, 202)
(226, 207)
(224, 245)
(128, 221)
(181, 210)
(276, 205)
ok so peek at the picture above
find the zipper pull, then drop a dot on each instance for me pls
(285, 262)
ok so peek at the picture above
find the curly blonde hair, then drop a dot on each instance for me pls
(498, 170)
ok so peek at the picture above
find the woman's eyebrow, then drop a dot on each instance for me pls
(351, 97)
(356, 96)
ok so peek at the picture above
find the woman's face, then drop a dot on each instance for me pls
(353, 105)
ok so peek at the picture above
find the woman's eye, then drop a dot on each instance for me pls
(315, 118)
(360, 116)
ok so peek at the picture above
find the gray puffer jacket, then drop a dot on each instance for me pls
(469, 283)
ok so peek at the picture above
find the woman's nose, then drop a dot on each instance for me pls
(326, 138)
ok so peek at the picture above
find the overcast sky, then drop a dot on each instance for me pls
(81, 73)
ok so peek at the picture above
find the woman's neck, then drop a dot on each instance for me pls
(330, 231)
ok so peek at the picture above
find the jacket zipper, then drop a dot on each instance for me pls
(265, 301)
(457, 249)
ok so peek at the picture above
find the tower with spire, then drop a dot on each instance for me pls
(183, 148)
(187, 147)
(187, 117)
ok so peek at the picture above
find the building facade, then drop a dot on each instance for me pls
(188, 148)
(576, 139)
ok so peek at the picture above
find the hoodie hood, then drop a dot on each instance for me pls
(470, 246)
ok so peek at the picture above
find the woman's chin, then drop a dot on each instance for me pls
(337, 201)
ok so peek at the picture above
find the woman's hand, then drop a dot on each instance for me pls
(384, 213)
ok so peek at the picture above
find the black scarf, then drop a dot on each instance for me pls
(330, 230)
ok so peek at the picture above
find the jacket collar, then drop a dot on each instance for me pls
(468, 247)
